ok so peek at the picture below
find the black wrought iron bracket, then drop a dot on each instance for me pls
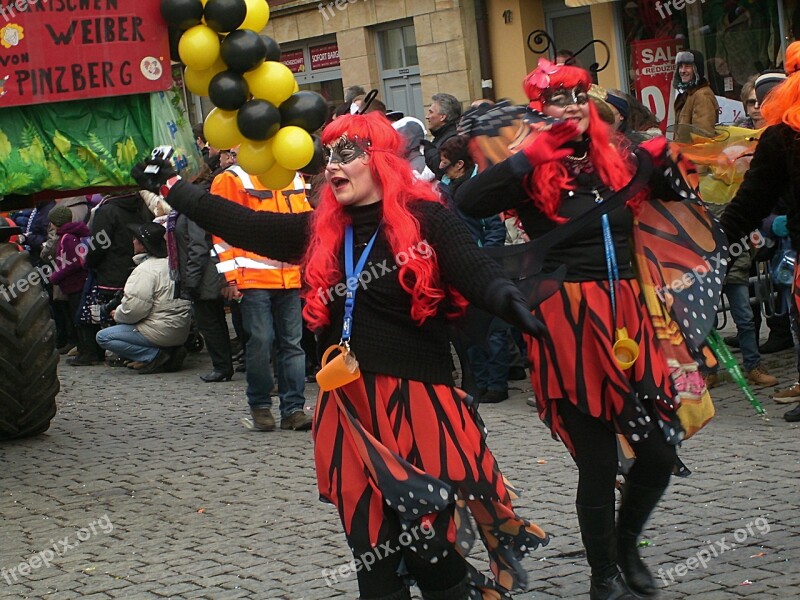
(543, 43)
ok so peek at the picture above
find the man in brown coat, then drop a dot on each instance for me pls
(695, 103)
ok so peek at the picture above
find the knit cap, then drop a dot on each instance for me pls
(766, 81)
(618, 102)
(59, 215)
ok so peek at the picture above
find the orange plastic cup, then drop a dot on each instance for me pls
(626, 351)
(339, 370)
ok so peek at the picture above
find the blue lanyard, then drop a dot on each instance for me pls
(611, 259)
(352, 278)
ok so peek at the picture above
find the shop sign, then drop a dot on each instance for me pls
(654, 67)
(325, 56)
(295, 60)
(57, 50)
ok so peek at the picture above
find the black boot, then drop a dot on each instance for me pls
(460, 591)
(780, 335)
(637, 504)
(598, 535)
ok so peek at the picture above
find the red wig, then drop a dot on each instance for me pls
(782, 104)
(420, 278)
(546, 183)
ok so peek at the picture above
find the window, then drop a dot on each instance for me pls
(398, 48)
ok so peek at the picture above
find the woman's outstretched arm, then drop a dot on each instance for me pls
(281, 237)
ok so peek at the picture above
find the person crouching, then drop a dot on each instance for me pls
(152, 322)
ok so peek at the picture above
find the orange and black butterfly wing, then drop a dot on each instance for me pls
(685, 250)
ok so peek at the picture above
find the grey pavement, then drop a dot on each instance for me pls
(150, 487)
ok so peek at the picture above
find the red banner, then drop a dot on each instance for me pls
(324, 56)
(654, 67)
(295, 60)
(56, 50)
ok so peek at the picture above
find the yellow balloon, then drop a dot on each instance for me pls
(296, 87)
(221, 130)
(256, 157)
(199, 47)
(197, 81)
(276, 178)
(293, 147)
(257, 15)
(271, 81)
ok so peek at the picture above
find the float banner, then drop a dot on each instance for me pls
(91, 143)
(654, 67)
(56, 50)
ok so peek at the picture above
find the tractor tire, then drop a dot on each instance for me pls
(28, 355)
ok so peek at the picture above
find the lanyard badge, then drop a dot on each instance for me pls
(343, 368)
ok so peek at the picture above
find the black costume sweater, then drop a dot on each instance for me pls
(500, 188)
(385, 339)
(774, 174)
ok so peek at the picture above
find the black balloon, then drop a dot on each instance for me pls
(258, 120)
(182, 13)
(243, 50)
(273, 49)
(174, 35)
(228, 90)
(304, 109)
(317, 163)
(225, 15)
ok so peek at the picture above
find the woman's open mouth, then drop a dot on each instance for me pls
(338, 183)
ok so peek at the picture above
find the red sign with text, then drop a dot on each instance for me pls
(654, 67)
(295, 60)
(56, 50)
(324, 56)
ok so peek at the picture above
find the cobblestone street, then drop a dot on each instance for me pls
(150, 487)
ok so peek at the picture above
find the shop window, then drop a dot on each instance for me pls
(316, 68)
(738, 38)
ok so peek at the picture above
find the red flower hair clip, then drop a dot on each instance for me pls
(540, 76)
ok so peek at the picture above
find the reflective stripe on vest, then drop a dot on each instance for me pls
(245, 262)
(298, 182)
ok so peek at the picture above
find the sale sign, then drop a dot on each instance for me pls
(56, 50)
(654, 67)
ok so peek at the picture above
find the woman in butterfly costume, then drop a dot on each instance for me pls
(399, 451)
(584, 394)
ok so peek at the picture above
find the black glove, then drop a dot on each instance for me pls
(506, 300)
(153, 181)
(112, 304)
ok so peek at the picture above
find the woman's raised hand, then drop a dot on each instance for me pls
(546, 146)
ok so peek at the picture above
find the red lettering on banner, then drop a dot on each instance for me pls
(53, 48)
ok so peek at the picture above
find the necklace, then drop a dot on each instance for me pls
(578, 164)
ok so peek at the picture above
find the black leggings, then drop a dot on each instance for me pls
(596, 456)
(394, 545)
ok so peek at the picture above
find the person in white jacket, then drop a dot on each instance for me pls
(152, 320)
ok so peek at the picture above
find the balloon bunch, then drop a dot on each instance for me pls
(258, 106)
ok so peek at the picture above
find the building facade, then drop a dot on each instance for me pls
(412, 49)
